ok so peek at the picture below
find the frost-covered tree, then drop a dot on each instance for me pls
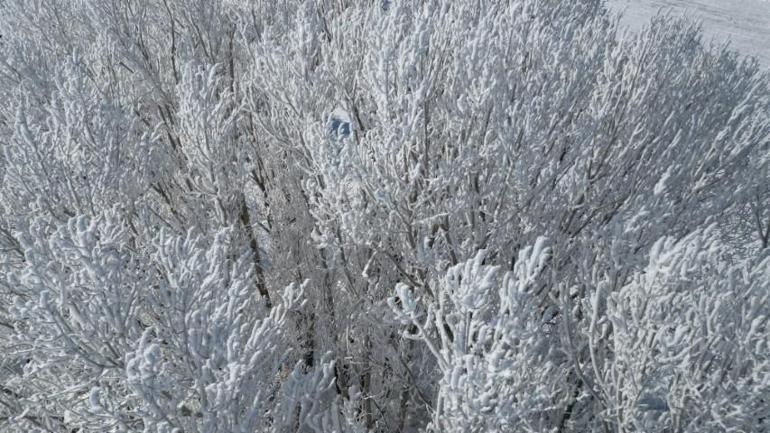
(346, 216)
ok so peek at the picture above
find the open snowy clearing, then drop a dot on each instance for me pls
(744, 23)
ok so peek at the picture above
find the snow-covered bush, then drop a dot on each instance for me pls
(501, 365)
(500, 172)
(179, 341)
(688, 341)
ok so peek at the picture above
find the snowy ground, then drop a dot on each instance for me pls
(745, 23)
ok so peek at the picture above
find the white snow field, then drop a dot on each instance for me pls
(744, 23)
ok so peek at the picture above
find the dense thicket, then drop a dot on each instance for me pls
(378, 216)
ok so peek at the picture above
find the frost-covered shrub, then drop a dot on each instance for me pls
(170, 166)
(500, 361)
(682, 346)
(689, 349)
(177, 341)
